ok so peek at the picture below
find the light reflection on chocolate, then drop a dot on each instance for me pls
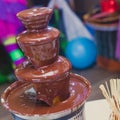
(48, 72)
(53, 72)
(35, 19)
(48, 81)
(22, 105)
(44, 84)
(41, 48)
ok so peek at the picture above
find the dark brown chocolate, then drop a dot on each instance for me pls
(38, 38)
(45, 77)
(16, 100)
(41, 48)
(51, 82)
(34, 13)
(54, 72)
(53, 92)
(48, 72)
(35, 18)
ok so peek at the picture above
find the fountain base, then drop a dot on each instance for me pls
(19, 105)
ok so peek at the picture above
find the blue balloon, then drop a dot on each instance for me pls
(81, 52)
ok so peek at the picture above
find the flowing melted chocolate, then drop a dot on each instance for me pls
(41, 48)
(50, 82)
(35, 19)
(44, 72)
(34, 13)
(20, 103)
(53, 72)
(32, 38)
(48, 72)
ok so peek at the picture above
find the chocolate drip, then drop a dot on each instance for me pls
(41, 48)
(45, 88)
(35, 19)
(48, 72)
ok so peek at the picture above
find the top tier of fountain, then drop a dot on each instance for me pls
(35, 19)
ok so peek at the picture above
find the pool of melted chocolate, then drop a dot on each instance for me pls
(16, 100)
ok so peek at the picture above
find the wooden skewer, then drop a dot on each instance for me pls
(111, 91)
(109, 100)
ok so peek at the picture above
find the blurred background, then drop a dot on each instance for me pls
(90, 39)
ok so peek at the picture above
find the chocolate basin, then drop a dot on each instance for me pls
(23, 108)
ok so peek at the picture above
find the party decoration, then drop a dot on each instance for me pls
(7, 78)
(109, 5)
(13, 1)
(9, 10)
(13, 50)
(6, 68)
(81, 52)
(105, 22)
(10, 26)
(117, 50)
(59, 24)
(73, 25)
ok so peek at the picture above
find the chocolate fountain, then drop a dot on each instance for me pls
(45, 89)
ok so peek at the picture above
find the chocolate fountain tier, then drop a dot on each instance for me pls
(35, 38)
(53, 72)
(17, 102)
(40, 48)
(35, 18)
(51, 82)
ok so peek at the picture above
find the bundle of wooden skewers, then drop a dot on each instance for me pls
(111, 91)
